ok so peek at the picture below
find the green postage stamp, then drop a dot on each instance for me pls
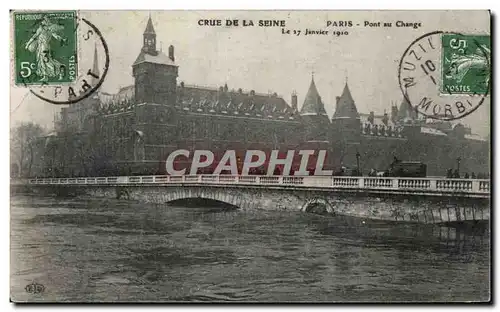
(466, 64)
(45, 47)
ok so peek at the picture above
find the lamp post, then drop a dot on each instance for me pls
(458, 165)
(357, 161)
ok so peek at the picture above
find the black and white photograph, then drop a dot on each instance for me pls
(250, 156)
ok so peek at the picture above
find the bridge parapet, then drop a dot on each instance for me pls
(429, 185)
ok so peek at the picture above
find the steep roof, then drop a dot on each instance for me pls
(198, 99)
(312, 102)
(406, 110)
(95, 68)
(149, 27)
(159, 58)
(346, 108)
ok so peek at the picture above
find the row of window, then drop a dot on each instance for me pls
(236, 131)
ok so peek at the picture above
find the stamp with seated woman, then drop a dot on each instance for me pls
(466, 64)
(446, 75)
(45, 47)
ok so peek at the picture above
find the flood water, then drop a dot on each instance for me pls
(103, 250)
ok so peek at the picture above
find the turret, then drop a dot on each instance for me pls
(346, 123)
(314, 115)
(346, 128)
(90, 104)
(149, 38)
(406, 112)
(345, 106)
(95, 70)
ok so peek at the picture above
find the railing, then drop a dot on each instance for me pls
(431, 184)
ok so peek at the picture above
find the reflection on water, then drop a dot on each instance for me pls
(113, 250)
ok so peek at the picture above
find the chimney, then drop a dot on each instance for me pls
(225, 87)
(294, 100)
(171, 53)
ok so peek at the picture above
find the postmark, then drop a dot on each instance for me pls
(45, 47)
(89, 69)
(427, 68)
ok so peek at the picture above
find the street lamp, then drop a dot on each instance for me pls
(357, 161)
(458, 165)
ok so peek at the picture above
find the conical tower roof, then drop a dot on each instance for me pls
(406, 110)
(312, 103)
(95, 68)
(149, 27)
(346, 108)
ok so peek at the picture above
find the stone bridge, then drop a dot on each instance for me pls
(425, 200)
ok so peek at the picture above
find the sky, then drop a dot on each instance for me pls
(265, 60)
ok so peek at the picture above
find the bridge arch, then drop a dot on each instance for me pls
(204, 194)
(314, 203)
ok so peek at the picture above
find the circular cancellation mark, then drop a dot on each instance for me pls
(446, 75)
(91, 74)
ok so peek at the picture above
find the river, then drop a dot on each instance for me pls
(102, 250)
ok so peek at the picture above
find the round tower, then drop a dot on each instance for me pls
(346, 130)
(314, 116)
(346, 123)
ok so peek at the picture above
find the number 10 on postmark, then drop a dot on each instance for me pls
(45, 47)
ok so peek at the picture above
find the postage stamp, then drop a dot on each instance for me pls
(60, 57)
(446, 75)
(250, 156)
(45, 47)
(466, 64)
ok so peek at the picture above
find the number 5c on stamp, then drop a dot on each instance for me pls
(45, 47)
(466, 64)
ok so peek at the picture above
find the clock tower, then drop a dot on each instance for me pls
(155, 73)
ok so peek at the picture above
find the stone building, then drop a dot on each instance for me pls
(134, 130)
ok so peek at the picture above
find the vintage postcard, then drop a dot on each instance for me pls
(250, 156)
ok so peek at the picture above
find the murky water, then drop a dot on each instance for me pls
(110, 250)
